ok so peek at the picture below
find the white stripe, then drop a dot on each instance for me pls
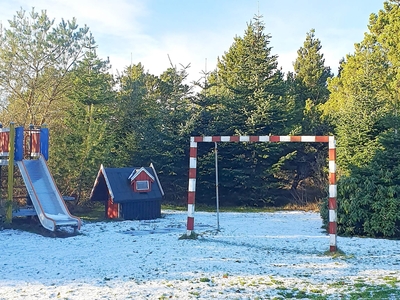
(332, 191)
(207, 138)
(332, 240)
(191, 210)
(244, 138)
(225, 138)
(307, 138)
(332, 215)
(192, 185)
(263, 138)
(191, 139)
(332, 166)
(192, 163)
(332, 142)
(284, 138)
(193, 144)
(188, 232)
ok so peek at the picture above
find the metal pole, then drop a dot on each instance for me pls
(216, 183)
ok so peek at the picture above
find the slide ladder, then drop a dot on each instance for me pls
(46, 199)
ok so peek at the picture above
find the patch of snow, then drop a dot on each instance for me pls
(253, 255)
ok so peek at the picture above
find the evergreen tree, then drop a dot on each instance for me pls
(311, 72)
(308, 86)
(363, 107)
(153, 125)
(245, 96)
(83, 140)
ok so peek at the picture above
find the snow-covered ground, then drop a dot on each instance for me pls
(253, 256)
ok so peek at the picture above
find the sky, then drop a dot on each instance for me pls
(157, 33)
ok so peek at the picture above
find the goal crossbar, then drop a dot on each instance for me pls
(330, 140)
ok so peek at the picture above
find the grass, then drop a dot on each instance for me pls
(245, 209)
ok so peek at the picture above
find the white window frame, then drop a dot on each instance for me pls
(141, 182)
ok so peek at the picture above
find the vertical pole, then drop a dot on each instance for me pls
(332, 203)
(192, 185)
(216, 183)
(11, 149)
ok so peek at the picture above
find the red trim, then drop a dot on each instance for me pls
(254, 138)
(192, 172)
(193, 152)
(332, 204)
(190, 223)
(198, 138)
(216, 138)
(274, 138)
(332, 248)
(332, 154)
(295, 138)
(35, 139)
(4, 141)
(234, 138)
(322, 139)
(332, 178)
(332, 227)
(191, 197)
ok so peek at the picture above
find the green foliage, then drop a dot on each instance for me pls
(154, 118)
(246, 95)
(363, 103)
(82, 141)
(369, 198)
(363, 106)
(35, 59)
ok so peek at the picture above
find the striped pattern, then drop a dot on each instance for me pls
(261, 138)
(4, 141)
(332, 203)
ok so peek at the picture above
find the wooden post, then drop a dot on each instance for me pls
(11, 150)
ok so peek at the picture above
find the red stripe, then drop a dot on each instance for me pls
(254, 138)
(332, 248)
(190, 223)
(193, 152)
(216, 138)
(234, 138)
(332, 178)
(332, 204)
(295, 138)
(198, 138)
(274, 138)
(332, 227)
(322, 139)
(192, 173)
(191, 197)
(332, 154)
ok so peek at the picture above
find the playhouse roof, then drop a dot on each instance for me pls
(116, 182)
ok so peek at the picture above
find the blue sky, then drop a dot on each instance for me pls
(197, 32)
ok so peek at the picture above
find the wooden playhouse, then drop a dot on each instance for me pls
(131, 193)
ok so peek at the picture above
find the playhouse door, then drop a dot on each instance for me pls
(111, 209)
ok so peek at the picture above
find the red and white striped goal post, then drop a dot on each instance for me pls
(332, 203)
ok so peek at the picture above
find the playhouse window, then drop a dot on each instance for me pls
(142, 185)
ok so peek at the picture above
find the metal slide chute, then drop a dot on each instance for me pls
(47, 200)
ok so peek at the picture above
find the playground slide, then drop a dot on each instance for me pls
(47, 200)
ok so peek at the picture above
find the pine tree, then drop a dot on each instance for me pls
(246, 96)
